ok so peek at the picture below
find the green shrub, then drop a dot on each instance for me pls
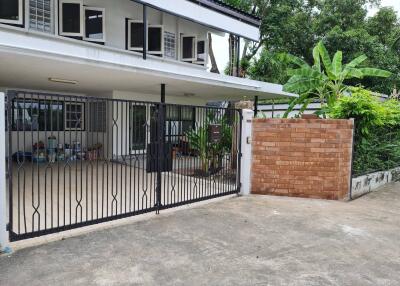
(377, 132)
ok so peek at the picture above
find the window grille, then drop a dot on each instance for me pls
(169, 45)
(40, 15)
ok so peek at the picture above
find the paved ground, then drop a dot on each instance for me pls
(239, 241)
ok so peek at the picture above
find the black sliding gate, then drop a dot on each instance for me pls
(75, 161)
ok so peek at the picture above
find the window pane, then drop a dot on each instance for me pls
(94, 24)
(71, 13)
(187, 113)
(172, 112)
(9, 9)
(136, 35)
(40, 18)
(97, 116)
(187, 47)
(155, 39)
(74, 115)
(201, 51)
(43, 115)
(137, 126)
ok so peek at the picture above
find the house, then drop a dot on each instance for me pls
(102, 101)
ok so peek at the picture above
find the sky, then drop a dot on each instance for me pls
(221, 43)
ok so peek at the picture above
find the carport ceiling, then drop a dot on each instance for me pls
(33, 72)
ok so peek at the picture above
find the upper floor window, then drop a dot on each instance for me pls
(71, 20)
(135, 35)
(40, 15)
(81, 21)
(188, 48)
(94, 24)
(169, 45)
(155, 40)
(155, 45)
(11, 12)
(193, 50)
(201, 51)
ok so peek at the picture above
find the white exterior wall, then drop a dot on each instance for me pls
(245, 172)
(117, 11)
(23, 140)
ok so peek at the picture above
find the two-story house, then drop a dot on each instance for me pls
(105, 100)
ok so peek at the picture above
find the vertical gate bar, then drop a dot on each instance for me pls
(10, 99)
(88, 168)
(121, 153)
(45, 102)
(18, 163)
(159, 157)
(55, 158)
(24, 192)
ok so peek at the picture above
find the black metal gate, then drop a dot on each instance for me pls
(75, 161)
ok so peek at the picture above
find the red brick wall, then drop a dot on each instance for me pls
(302, 157)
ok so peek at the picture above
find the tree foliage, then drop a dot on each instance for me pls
(296, 26)
(326, 78)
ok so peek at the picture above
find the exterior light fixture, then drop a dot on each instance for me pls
(60, 80)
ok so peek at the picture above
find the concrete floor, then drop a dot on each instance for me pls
(239, 241)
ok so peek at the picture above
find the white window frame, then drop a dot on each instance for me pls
(205, 52)
(82, 118)
(194, 51)
(129, 35)
(60, 18)
(103, 10)
(161, 51)
(20, 20)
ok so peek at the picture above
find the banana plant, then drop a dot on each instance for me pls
(325, 79)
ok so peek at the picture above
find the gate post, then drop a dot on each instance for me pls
(4, 238)
(245, 174)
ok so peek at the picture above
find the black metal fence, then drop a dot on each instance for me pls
(75, 161)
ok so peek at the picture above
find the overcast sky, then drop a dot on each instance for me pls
(221, 44)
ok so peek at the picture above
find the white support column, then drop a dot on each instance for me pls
(245, 176)
(3, 190)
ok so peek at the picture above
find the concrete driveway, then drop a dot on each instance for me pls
(238, 241)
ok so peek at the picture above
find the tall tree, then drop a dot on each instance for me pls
(295, 26)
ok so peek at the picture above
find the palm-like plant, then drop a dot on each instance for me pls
(325, 79)
(210, 152)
